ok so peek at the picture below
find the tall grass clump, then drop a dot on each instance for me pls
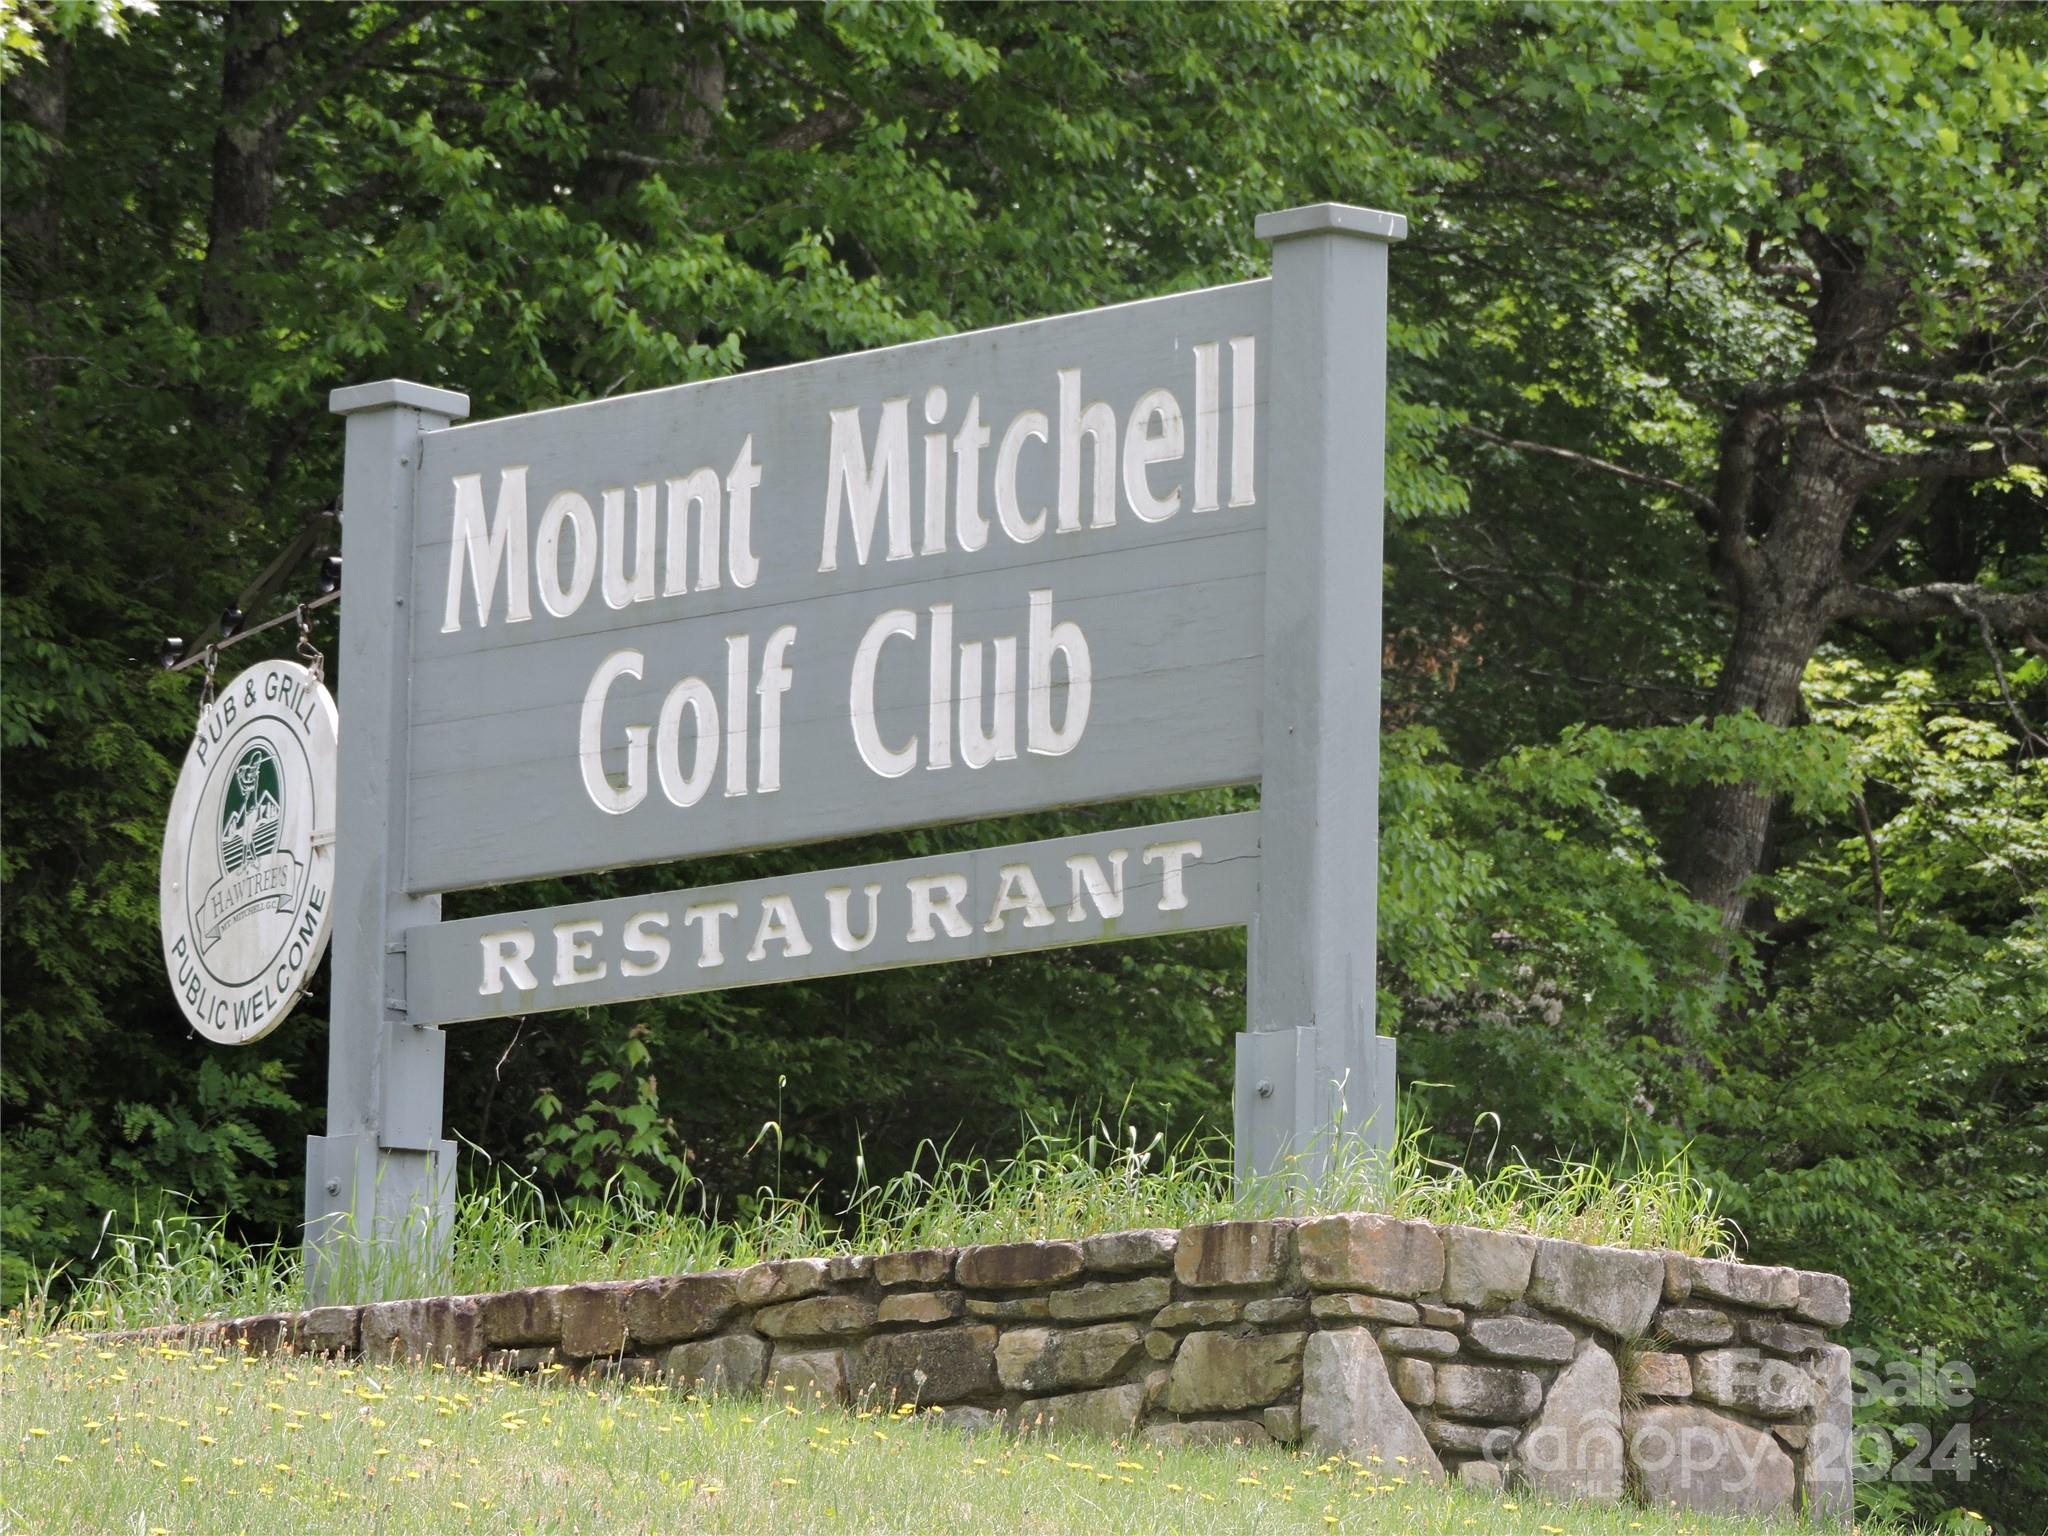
(508, 1233)
(174, 1266)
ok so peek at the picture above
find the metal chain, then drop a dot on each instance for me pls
(206, 692)
(316, 663)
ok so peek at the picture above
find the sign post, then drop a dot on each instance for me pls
(1130, 552)
(1312, 1064)
(380, 1185)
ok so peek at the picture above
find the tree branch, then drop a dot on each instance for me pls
(2030, 739)
(1940, 600)
(2025, 382)
(1734, 488)
(346, 67)
(1893, 528)
(816, 129)
(1969, 464)
(1697, 498)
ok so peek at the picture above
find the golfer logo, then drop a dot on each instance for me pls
(256, 876)
(248, 867)
(252, 809)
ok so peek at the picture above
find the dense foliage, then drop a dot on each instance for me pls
(1716, 796)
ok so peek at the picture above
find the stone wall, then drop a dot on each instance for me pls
(1448, 1352)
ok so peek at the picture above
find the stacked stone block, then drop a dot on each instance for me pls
(1427, 1353)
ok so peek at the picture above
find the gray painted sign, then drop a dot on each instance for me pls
(998, 572)
(1085, 559)
(1178, 877)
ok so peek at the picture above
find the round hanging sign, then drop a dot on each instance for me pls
(247, 888)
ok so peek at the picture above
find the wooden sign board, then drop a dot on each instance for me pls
(1176, 878)
(1000, 572)
(1073, 561)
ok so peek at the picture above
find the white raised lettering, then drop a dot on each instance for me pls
(606, 796)
(736, 647)
(619, 588)
(939, 677)
(1244, 416)
(1145, 445)
(969, 526)
(998, 743)
(506, 954)
(645, 937)
(1027, 424)
(571, 512)
(776, 677)
(1097, 422)
(693, 694)
(712, 914)
(697, 489)
(573, 948)
(740, 483)
(488, 552)
(937, 897)
(867, 735)
(843, 937)
(1065, 638)
(1107, 892)
(934, 474)
(1208, 429)
(1018, 892)
(1173, 896)
(857, 482)
(779, 922)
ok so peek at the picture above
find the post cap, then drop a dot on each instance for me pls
(1331, 218)
(395, 392)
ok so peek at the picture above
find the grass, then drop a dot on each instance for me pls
(507, 1234)
(111, 1437)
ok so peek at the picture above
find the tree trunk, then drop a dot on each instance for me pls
(246, 149)
(1728, 826)
(1785, 498)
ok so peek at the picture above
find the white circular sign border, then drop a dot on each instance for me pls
(208, 1003)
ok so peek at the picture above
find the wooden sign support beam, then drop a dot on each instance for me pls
(380, 1185)
(1312, 1065)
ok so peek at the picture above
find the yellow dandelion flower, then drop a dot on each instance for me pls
(63, 1461)
(787, 1482)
